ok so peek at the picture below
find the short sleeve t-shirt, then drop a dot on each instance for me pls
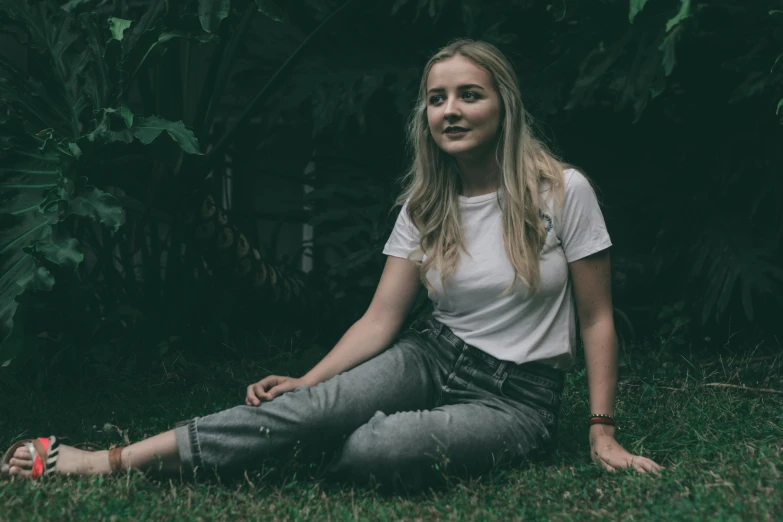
(519, 326)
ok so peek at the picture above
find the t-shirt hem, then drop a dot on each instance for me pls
(395, 253)
(589, 249)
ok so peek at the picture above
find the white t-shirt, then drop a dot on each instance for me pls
(516, 327)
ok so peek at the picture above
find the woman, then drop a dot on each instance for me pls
(501, 233)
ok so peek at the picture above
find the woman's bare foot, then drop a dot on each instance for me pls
(155, 453)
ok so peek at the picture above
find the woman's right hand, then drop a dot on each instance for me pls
(270, 387)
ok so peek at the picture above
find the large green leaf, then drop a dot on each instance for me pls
(171, 35)
(68, 92)
(16, 341)
(598, 64)
(36, 194)
(30, 173)
(76, 5)
(397, 5)
(212, 12)
(29, 99)
(147, 129)
(148, 38)
(636, 7)
(61, 250)
(668, 50)
(668, 46)
(91, 202)
(682, 14)
(270, 9)
(117, 26)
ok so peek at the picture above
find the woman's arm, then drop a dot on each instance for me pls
(368, 336)
(591, 279)
(379, 325)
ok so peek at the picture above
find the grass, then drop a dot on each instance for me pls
(722, 448)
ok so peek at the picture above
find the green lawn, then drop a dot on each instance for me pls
(722, 448)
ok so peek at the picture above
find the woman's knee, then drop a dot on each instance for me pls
(377, 451)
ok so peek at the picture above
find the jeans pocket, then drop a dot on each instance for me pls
(542, 398)
(528, 396)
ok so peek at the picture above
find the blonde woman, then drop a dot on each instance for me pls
(502, 235)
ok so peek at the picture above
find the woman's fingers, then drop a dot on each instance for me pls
(611, 456)
(649, 465)
(251, 399)
(271, 381)
(643, 465)
(607, 466)
(261, 391)
(22, 454)
(619, 462)
(640, 464)
(274, 392)
(21, 463)
(280, 389)
(637, 464)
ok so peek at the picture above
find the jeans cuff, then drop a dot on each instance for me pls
(187, 445)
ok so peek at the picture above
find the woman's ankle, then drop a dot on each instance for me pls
(73, 461)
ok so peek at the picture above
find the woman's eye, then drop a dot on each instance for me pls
(470, 95)
(435, 99)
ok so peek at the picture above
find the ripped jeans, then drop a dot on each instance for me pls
(428, 406)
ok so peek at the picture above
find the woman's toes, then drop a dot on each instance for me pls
(21, 463)
(22, 454)
(16, 471)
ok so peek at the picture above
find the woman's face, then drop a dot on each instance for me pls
(463, 108)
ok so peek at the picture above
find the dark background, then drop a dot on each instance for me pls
(299, 110)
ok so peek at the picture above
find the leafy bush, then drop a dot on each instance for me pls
(668, 104)
(96, 155)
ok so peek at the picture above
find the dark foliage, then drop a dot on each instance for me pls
(119, 240)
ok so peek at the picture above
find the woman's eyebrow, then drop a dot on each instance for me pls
(460, 88)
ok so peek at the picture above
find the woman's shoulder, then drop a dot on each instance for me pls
(573, 177)
(575, 186)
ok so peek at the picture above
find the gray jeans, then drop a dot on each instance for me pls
(428, 406)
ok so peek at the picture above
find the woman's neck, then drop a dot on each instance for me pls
(478, 177)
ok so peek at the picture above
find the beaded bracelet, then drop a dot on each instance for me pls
(600, 418)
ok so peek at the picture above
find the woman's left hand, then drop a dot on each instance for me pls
(607, 452)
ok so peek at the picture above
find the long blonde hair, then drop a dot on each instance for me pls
(525, 164)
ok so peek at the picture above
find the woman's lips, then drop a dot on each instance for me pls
(456, 133)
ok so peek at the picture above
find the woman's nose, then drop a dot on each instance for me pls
(451, 110)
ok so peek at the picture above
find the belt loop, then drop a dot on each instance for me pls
(500, 369)
(437, 327)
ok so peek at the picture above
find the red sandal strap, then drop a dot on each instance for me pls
(41, 447)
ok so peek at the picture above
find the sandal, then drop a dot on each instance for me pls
(44, 452)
